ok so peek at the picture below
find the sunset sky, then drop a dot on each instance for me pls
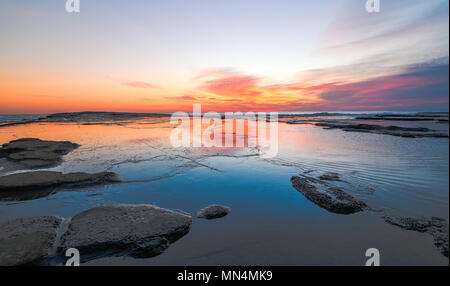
(228, 55)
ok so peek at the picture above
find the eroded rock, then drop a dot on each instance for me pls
(213, 211)
(136, 230)
(28, 240)
(36, 153)
(437, 227)
(47, 179)
(332, 199)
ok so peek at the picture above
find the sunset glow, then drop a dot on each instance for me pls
(163, 56)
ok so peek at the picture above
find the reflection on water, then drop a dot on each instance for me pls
(270, 222)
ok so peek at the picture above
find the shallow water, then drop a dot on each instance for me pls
(270, 222)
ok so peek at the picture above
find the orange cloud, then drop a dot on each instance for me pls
(234, 91)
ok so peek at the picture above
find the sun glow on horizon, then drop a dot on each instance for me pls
(164, 56)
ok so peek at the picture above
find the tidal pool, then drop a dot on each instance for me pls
(270, 222)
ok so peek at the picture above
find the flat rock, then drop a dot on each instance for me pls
(437, 227)
(47, 179)
(213, 211)
(28, 240)
(332, 199)
(421, 116)
(135, 230)
(408, 132)
(36, 153)
(87, 117)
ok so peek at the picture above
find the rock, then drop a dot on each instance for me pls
(332, 199)
(46, 179)
(88, 117)
(27, 241)
(421, 116)
(330, 176)
(36, 153)
(136, 230)
(407, 132)
(434, 226)
(99, 116)
(213, 211)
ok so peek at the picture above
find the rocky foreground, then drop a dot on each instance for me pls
(133, 230)
(139, 231)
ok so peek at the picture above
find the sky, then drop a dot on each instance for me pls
(228, 55)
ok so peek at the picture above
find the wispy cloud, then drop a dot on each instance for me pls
(183, 97)
(139, 84)
(133, 83)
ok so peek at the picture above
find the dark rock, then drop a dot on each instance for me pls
(371, 127)
(301, 121)
(395, 118)
(330, 176)
(421, 116)
(136, 230)
(27, 241)
(213, 211)
(47, 179)
(330, 198)
(407, 132)
(437, 227)
(36, 153)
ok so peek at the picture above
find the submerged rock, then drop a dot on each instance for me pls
(330, 198)
(46, 179)
(36, 153)
(213, 211)
(27, 241)
(330, 177)
(136, 230)
(437, 227)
